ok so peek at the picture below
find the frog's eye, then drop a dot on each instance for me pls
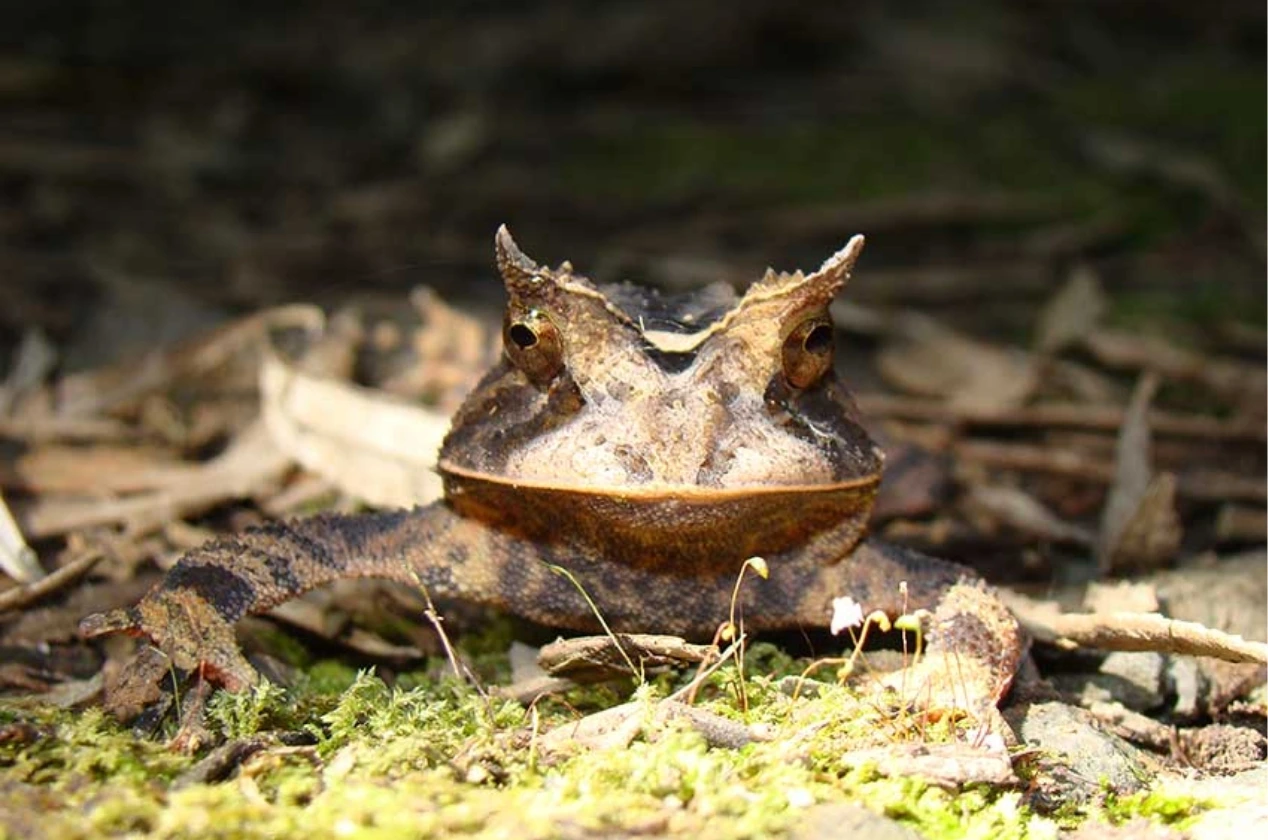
(533, 344)
(807, 352)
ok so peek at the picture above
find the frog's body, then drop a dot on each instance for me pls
(647, 456)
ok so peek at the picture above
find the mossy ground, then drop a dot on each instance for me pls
(442, 758)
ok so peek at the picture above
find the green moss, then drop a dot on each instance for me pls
(1160, 805)
(444, 758)
(75, 748)
(328, 677)
(263, 706)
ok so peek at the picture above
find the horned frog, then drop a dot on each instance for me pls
(646, 450)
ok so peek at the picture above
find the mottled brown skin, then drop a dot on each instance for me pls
(647, 452)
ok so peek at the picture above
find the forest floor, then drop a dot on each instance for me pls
(1062, 299)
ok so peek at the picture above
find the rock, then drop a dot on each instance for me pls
(1074, 759)
(1188, 681)
(845, 819)
(1137, 829)
(1135, 679)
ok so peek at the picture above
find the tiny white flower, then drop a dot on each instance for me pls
(987, 739)
(846, 613)
(799, 798)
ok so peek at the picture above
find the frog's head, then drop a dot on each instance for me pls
(617, 390)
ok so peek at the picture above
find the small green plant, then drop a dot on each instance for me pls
(637, 671)
(731, 631)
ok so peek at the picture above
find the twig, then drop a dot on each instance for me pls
(87, 429)
(1205, 485)
(20, 596)
(250, 462)
(1139, 632)
(1070, 415)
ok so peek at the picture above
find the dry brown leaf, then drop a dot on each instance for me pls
(1072, 312)
(34, 360)
(1121, 596)
(1150, 537)
(931, 359)
(593, 658)
(104, 389)
(1241, 524)
(369, 444)
(1019, 510)
(620, 725)
(1240, 384)
(1140, 528)
(250, 462)
(92, 470)
(951, 765)
(451, 351)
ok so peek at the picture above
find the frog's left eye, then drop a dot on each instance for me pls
(533, 344)
(807, 353)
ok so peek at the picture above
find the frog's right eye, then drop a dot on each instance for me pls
(533, 344)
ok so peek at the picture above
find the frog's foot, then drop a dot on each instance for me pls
(188, 638)
(971, 643)
(973, 646)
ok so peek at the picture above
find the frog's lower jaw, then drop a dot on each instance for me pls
(190, 613)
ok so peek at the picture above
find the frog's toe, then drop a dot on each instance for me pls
(141, 685)
(112, 621)
(980, 638)
(225, 666)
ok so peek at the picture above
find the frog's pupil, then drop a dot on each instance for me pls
(522, 335)
(819, 340)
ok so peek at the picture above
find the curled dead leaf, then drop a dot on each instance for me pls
(934, 360)
(1140, 528)
(1072, 312)
(371, 445)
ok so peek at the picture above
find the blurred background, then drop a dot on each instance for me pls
(164, 164)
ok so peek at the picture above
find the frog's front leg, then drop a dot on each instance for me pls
(189, 615)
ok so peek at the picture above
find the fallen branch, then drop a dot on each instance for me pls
(1131, 631)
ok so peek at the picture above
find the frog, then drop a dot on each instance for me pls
(621, 464)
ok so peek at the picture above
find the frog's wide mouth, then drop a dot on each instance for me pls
(672, 528)
(658, 491)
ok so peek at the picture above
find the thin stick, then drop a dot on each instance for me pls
(1070, 415)
(1205, 485)
(20, 596)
